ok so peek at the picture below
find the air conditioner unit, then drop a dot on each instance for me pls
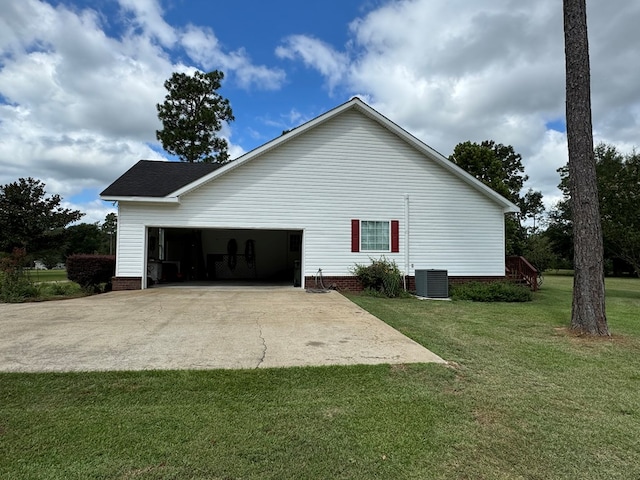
(432, 283)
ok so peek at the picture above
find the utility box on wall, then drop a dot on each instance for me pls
(432, 283)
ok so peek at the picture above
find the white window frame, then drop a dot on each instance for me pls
(362, 247)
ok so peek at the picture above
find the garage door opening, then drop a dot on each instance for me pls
(223, 256)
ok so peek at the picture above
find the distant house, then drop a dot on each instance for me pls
(39, 265)
(345, 187)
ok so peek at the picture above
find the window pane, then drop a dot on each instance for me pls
(374, 235)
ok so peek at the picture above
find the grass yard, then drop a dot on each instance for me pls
(47, 275)
(526, 400)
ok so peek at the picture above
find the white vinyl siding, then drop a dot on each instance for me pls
(318, 182)
(131, 245)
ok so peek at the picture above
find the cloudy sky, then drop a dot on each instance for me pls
(80, 79)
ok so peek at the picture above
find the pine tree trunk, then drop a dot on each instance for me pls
(588, 309)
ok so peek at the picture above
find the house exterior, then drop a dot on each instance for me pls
(345, 187)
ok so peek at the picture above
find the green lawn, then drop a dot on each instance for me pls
(525, 401)
(47, 275)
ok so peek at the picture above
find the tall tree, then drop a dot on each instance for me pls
(588, 307)
(110, 229)
(192, 115)
(532, 208)
(29, 219)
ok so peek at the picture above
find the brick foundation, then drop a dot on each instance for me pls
(352, 284)
(126, 283)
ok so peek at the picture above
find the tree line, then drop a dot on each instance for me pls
(545, 237)
(45, 231)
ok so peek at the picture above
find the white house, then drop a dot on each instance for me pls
(345, 187)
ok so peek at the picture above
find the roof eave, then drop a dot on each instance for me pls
(133, 199)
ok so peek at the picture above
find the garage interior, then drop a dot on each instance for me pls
(223, 256)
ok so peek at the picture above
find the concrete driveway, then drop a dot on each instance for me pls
(198, 328)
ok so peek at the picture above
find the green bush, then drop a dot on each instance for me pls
(59, 289)
(16, 289)
(491, 292)
(15, 285)
(90, 271)
(382, 277)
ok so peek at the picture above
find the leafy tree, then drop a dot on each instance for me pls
(51, 257)
(83, 238)
(560, 233)
(499, 167)
(110, 229)
(588, 307)
(531, 207)
(29, 219)
(496, 165)
(192, 115)
(617, 178)
(539, 252)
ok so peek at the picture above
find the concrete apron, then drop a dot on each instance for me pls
(198, 328)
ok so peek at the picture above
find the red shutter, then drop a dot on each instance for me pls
(395, 236)
(355, 235)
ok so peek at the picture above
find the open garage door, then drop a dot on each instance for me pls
(223, 255)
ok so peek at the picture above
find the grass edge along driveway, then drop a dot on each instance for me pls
(527, 400)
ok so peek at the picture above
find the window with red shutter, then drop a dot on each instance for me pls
(375, 236)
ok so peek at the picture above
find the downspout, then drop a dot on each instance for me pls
(406, 239)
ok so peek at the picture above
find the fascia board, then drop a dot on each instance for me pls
(171, 199)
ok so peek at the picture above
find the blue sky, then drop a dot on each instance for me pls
(79, 79)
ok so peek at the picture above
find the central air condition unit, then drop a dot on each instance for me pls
(432, 283)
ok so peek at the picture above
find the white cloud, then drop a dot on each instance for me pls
(77, 104)
(548, 154)
(148, 18)
(317, 54)
(453, 70)
(94, 210)
(287, 120)
(203, 47)
(78, 90)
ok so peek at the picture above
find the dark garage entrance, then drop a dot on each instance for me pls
(223, 255)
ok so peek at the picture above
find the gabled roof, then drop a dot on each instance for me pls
(154, 178)
(129, 179)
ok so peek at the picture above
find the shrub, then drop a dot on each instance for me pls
(491, 292)
(89, 271)
(15, 285)
(382, 277)
(59, 289)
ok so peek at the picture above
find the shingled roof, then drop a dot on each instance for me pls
(152, 178)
